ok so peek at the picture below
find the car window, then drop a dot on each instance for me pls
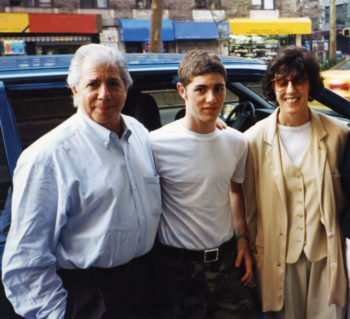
(39, 111)
(170, 102)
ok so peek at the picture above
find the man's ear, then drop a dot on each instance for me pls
(75, 96)
(74, 90)
(182, 90)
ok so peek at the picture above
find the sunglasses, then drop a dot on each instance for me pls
(298, 82)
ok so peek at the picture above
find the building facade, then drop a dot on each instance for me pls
(186, 24)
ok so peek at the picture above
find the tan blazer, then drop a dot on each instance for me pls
(266, 205)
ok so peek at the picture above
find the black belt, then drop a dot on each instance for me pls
(206, 256)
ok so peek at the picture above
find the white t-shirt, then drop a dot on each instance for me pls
(295, 140)
(196, 172)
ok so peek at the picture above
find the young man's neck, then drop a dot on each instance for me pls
(198, 126)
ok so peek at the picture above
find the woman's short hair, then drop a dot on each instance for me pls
(286, 62)
(102, 54)
(199, 62)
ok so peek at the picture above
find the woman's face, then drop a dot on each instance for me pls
(292, 94)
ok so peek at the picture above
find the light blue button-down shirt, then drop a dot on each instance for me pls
(82, 198)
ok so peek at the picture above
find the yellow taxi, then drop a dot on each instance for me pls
(337, 78)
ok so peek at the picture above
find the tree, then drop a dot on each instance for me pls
(155, 40)
(332, 31)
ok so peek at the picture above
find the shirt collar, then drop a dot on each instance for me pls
(102, 134)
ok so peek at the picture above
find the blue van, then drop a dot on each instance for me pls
(34, 98)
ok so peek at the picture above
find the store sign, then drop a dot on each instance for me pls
(245, 26)
(14, 47)
(63, 23)
(14, 22)
(49, 23)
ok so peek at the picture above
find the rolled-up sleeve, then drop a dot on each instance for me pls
(29, 263)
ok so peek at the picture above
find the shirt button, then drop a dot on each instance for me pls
(300, 215)
(300, 189)
(297, 175)
(333, 265)
(330, 234)
(300, 228)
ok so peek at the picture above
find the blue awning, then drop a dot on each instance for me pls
(133, 30)
(200, 30)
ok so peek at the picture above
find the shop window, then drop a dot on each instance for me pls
(342, 14)
(269, 4)
(264, 4)
(207, 4)
(94, 4)
(143, 4)
(15, 3)
(37, 3)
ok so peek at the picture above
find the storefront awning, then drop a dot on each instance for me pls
(132, 30)
(14, 22)
(270, 26)
(64, 23)
(50, 23)
(200, 30)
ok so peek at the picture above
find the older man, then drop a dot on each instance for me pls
(86, 205)
(293, 195)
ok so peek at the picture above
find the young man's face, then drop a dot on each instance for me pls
(204, 97)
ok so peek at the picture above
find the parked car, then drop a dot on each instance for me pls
(337, 78)
(34, 98)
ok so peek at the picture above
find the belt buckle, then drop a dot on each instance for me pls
(211, 255)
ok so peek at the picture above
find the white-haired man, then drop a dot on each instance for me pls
(86, 205)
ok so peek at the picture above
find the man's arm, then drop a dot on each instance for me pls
(29, 264)
(240, 227)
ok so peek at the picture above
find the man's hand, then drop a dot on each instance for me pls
(243, 253)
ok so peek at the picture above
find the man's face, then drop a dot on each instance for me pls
(101, 93)
(204, 97)
(292, 93)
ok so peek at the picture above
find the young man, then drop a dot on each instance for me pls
(202, 231)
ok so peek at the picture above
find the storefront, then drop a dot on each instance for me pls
(176, 37)
(262, 38)
(22, 33)
(134, 35)
(206, 35)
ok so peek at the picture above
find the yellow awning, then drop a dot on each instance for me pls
(270, 26)
(14, 22)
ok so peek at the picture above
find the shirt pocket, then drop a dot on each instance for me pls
(153, 194)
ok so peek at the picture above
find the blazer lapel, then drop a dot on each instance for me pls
(273, 155)
(321, 154)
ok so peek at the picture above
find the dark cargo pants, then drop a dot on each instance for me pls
(196, 290)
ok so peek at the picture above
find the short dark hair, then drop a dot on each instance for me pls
(292, 59)
(199, 62)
